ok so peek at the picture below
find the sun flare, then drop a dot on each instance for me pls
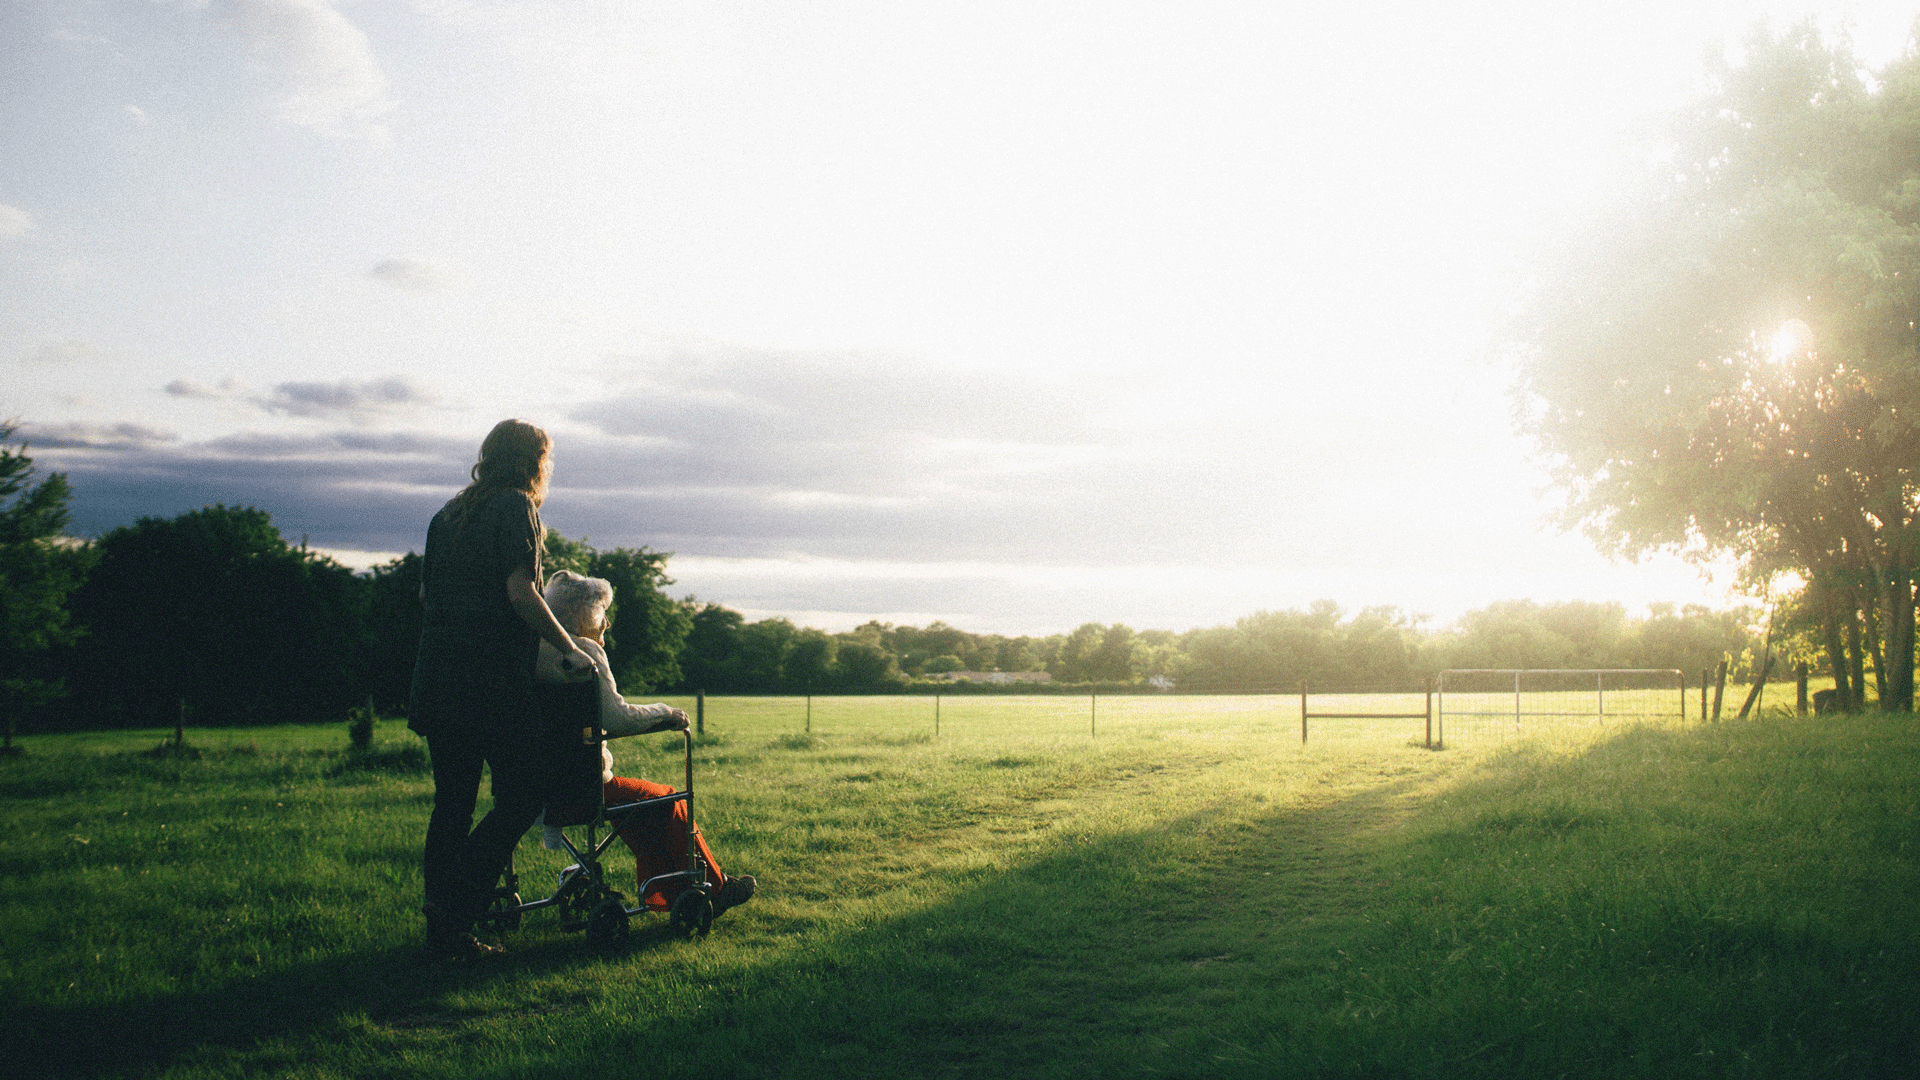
(1793, 340)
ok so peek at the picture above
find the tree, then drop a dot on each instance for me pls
(710, 659)
(649, 629)
(809, 663)
(215, 613)
(393, 630)
(862, 665)
(1728, 362)
(38, 571)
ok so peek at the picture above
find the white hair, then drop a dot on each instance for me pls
(577, 601)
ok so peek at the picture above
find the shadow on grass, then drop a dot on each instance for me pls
(1011, 966)
(1298, 942)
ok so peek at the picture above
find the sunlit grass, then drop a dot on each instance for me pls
(1181, 888)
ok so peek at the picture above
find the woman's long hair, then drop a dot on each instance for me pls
(516, 456)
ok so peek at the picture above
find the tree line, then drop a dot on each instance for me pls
(213, 618)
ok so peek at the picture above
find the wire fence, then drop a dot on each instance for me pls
(1462, 708)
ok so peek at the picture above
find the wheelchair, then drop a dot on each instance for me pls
(569, 720)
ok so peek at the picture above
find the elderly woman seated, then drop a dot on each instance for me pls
(659, 845)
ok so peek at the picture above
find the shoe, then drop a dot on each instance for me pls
(459, 947)
(733, 892)
(449, 938)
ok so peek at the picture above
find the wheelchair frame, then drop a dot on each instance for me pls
(583, 896)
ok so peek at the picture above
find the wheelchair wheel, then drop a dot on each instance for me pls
(607, 923)
(692, 913)
(503, 912)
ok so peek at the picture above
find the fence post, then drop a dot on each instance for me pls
(936, 715)
(1705, 677)
(1093, 709)
(1719, 687)
(700, 712)
(1800, 679)
(1429, 714)
(1303, 712)
(809, 712)
(1759, 690)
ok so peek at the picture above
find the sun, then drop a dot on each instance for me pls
(1793, 340)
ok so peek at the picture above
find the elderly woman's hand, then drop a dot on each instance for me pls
(671, 720)
(577, 664)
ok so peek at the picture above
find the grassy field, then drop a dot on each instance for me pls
(1051, 887)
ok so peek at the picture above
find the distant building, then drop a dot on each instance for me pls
(1001, 678)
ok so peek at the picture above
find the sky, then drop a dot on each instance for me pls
(1014, 315)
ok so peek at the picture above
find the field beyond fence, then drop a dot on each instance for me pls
(1150, 886)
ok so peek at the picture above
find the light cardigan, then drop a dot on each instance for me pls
(616, 715)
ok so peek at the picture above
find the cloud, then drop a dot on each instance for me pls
(14, 221)
(333, 84)
(320, 399)
(228, 390)
(80, 436)
(62, 352)
(763, 455)
(346, 489)
(354, 400)
(413, 274)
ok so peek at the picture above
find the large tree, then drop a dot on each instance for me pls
(1726, 362)
(214, 613)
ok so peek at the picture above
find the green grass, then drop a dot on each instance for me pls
(1188, 892)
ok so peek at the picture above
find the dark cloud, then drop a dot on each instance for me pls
(751, 459)
(360, 490)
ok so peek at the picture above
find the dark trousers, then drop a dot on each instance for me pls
(462, 861)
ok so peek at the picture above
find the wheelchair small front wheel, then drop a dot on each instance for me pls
(692, 913)
(503, 912)
(607, 923)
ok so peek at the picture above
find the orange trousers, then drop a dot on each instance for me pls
(659, 846)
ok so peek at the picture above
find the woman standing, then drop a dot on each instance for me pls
(484, 621)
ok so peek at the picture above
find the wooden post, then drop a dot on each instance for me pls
(1093, 711)
(1759, 687)
(1705, 677)
(180, 726)
(1719, 687)
(699, 712)
(936, 716)
(809, 712)
(1800, 681)
(1303, 712)
(1429, 714)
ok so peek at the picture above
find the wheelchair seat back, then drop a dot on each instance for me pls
(569, 719)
